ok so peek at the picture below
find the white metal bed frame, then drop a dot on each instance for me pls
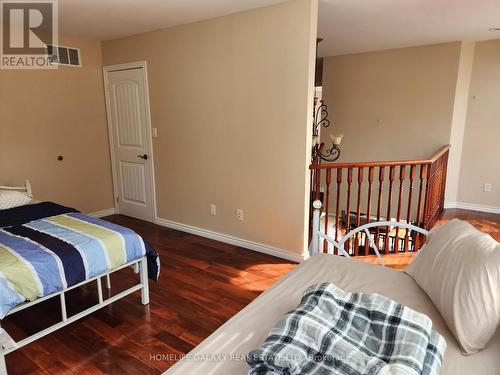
(318, 237)
(26, 188)
(8, 345)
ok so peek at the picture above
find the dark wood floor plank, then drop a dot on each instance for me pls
(485, 222)
(203, 283)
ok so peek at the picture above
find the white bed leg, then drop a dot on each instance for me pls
(315, 229)
(4, 338)
(144, 281)
(64, 313)
(108, 282)
(3, 366)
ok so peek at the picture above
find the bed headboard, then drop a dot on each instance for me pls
(26, 188)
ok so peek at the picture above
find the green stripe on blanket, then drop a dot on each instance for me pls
(20, 274)
(109, 239)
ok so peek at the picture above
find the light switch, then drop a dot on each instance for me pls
(155, 132)
(239, 215)
(213, 209)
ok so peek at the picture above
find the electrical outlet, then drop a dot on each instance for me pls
(213, 209)
(239, 215)
(487, 188)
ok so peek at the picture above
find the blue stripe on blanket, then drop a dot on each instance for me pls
(44, 263)
(91, 250)
(133, 243)
(70, 257)
(25, 214)
(9, 297)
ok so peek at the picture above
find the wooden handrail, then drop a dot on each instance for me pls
(388, 163)
(362, 192)
(439, 154)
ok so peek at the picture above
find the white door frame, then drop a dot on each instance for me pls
(126, 66)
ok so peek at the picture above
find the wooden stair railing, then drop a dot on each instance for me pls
(353, 194)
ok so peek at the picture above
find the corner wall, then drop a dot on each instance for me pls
(223, 93)
(481, 150)
(457, 131)
(392, 105)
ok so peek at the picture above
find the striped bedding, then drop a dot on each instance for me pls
(49, 248)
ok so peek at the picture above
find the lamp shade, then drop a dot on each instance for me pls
(336, 138)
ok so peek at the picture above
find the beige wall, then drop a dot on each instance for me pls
(462, 90)
(406, 103)
(46, 113)
(223, 93)
(395, 104)
(481, 149)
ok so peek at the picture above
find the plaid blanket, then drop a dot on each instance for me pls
(335, 332)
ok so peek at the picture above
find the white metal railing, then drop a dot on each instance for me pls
(318, 238)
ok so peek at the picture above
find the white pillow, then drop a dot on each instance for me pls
(459, 269)
(10, 199)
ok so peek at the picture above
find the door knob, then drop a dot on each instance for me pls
(145, 156)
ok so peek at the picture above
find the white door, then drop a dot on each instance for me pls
(128, 120)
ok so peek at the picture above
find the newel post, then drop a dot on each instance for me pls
(315, 229)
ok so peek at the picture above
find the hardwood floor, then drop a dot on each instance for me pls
(485, 222)
(202, 284)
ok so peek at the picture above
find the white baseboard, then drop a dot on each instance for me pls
(261, 248)
(99, 214)
(472, 207)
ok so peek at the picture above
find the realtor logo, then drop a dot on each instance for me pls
(28, 28)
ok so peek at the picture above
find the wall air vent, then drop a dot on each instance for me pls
(61, 55)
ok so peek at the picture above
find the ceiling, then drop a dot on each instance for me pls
(111, 19)
(347, 26)
(352, 26)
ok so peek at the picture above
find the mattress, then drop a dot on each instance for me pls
(224, 351)
(46, 248)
